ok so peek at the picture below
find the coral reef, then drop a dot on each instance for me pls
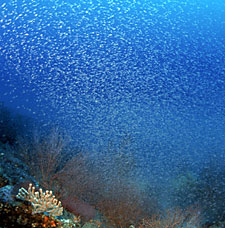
(22, 216)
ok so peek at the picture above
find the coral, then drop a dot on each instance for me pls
(79, 207)
(173, 218)
(44, 158)
(119, 213)
(41, 202)
(21, 216)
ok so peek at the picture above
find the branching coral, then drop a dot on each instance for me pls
(41, 201)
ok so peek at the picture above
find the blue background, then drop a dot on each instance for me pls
(105, 70)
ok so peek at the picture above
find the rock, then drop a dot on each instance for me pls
(6, 194)
(89, 225)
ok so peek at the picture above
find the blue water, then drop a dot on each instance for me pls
(105, 70)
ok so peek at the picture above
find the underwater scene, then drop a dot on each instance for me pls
(112, 113)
